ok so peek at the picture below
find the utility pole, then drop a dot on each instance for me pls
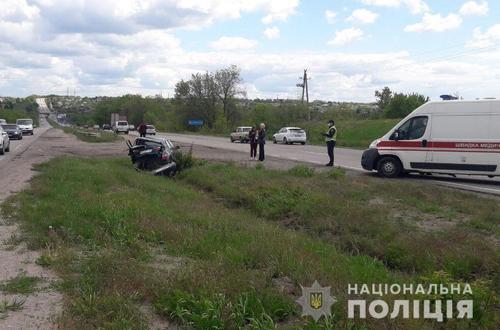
(305, 92)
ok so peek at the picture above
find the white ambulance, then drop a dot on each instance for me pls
(447, 137)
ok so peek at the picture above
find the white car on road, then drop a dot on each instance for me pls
(4, 141)
(26, 125)
(150, 130)
(121, 126)
(290, 135)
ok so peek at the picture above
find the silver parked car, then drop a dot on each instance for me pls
(290, 135)
(240, 134)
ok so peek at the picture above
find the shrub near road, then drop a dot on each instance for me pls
(233, 253)
(87, 135)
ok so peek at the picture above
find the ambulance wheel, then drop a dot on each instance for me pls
(389, 167)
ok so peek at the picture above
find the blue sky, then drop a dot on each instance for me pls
(351, 48)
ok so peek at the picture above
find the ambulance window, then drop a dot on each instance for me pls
(418, 126)
(413, 129)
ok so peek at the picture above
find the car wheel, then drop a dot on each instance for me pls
(8, 148)
(274, 140)
(303, 143)
(232, 141)
(285, 141)
(2, 150)
(389, 167)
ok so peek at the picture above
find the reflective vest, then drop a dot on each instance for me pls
(334, 137)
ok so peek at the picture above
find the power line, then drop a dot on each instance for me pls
(448, 57)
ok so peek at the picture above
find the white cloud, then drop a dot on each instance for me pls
(485, 39)
(106, 47)
(436, 23)
(346, 36)
(474, 8)
(415, 6)
(272, 32)
(233, 43)
(279, 10)
(330, 16)
(362, 16)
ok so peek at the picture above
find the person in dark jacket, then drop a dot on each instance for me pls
(142, 129)
(261, 140)
(331, 140)
(252, 137)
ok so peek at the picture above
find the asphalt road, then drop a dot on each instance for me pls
(345, 158)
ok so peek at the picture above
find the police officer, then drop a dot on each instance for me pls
(331, 140)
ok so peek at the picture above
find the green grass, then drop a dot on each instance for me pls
(352, 133)
(383, 219)
(237, 231)
(87, 135)
(20, 285)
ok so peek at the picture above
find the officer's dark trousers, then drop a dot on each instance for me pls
(253, 149)
(330, 145)
(261, 152)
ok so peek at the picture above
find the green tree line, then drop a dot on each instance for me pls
(14, 108)
(398, 105)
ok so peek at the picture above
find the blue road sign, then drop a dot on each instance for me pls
(195, 122)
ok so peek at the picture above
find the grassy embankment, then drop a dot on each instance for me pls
(87, 135)
(353, 133)
(227, 247)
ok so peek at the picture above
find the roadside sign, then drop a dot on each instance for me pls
(195, 122)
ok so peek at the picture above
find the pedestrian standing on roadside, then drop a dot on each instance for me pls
(252, 138)
(142, 129)
(261, 140)
(331, 140)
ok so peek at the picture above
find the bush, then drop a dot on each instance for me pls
(302, 171)
(184, 160)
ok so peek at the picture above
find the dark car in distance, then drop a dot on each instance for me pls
(14, 131)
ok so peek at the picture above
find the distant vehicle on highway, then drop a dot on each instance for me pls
(13, 131)
(4, 141)
(3, 121)
(131, 127)
(240, 134)
(97, 127)
(26, 125)
(121, 127)
(447, 137)
(150, 130)
(106, 127)
(290, 135)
